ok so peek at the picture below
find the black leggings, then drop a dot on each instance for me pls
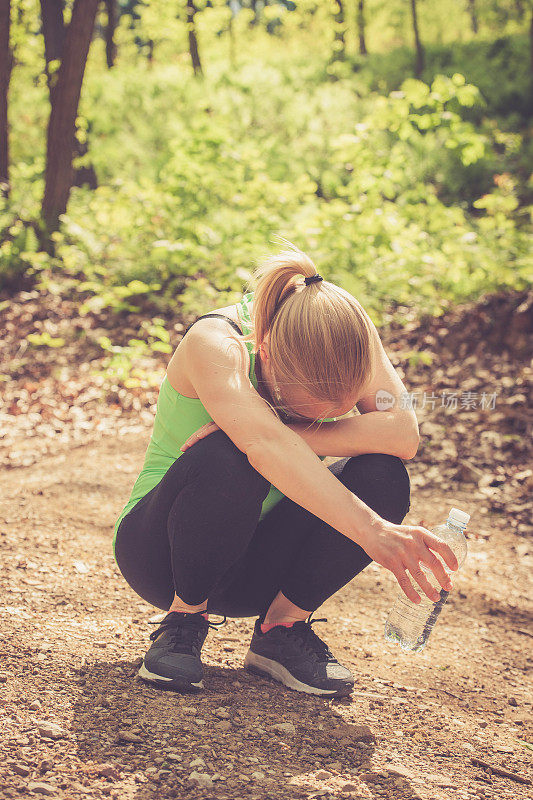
(197, 533)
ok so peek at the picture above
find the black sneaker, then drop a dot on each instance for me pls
(173, 660)
(297, 657)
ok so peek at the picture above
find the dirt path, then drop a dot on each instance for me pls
(75, 721)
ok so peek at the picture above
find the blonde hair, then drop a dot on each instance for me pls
(320, 336)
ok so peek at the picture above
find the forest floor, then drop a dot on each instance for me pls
(76, 721)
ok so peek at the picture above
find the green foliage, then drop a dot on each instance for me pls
(416, 357)
(19, 246)
(113, 296)
(405, 192)
(44, 340)
(499, 67)
(130, 365)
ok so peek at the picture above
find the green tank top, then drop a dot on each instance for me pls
(176, 418)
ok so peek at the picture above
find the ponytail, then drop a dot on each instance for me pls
(275, 280)
(320, 336)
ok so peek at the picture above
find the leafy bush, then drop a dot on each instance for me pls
(498, 67)
(399, 197)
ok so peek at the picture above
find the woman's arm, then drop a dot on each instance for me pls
(373, 432)
(382, 426)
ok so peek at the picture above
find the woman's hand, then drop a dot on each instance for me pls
(201, 433)
(402, 548)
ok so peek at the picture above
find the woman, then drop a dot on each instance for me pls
(233, 512)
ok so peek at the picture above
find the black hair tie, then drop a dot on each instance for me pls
(313, 279)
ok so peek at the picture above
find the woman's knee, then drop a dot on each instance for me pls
(381, 480)
(217, 461)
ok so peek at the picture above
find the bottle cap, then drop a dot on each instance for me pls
(459, 517)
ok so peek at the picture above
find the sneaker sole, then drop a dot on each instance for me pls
(260, 665)
(180, 685)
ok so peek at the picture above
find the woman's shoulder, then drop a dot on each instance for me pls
(215, 330)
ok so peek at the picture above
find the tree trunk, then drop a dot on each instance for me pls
(151, 50)
(339, 27)
(65, 96)
(473, 15)
(361, 27)
(6, 63)
(54, 36)
(193, 42)
(110, 46)
(54, 41)
(531, 48)
(255, 18)
(419, 61)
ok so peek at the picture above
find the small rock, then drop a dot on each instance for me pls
(349, 787)
(336, 766)
(371, 777)
(258, 776)
(102, 701)
(222, 713)
(189, 710)
(108, 771)
(224, 725)
(285, 727)
(468, 473)
(322, 751)
(399, 769)
(197, 762)
(172, 757)
(441, 780)
(41, 788)
(35, 705)
(128, 736)
(202, 779)
(20, 769)
(45, 765)
(361, 733)
(512, 702)
(50, 730)
(3, 677)
(323, 775)
(200, 721)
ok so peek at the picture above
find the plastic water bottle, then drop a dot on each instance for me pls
(410, 624)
